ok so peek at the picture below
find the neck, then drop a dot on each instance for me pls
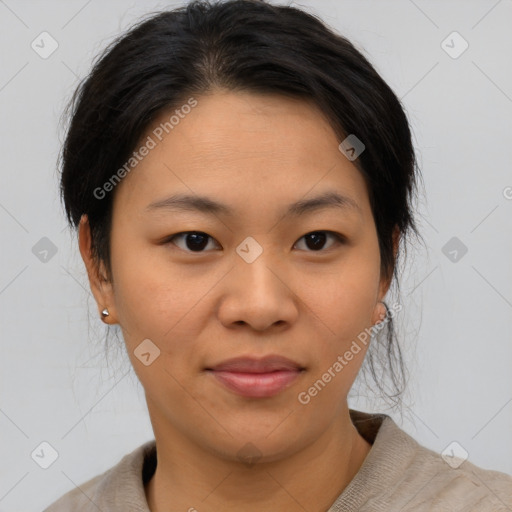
(188, 478)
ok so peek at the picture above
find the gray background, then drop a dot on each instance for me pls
(58, 385)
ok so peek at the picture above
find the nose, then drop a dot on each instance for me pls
(260, 294)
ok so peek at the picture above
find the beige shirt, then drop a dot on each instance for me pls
(397, 475)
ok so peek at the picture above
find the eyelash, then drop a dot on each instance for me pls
(340, 239)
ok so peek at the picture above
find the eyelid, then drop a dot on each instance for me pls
(169, 240)
(340, 239)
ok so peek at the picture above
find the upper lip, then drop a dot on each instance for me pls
(270, 363)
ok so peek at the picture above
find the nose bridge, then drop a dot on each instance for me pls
(257, 292)
(255, 261)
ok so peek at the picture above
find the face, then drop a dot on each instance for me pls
(256, 277)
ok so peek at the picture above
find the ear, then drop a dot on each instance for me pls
(380, 310)
(101, 287)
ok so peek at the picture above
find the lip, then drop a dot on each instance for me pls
(257, 378)
(249, 364)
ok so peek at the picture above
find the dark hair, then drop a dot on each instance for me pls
(240, 45)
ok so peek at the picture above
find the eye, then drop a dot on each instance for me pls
(316, 239)
(195, 241)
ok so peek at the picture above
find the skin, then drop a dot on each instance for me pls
(255, 153)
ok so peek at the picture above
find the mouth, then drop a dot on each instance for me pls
(257, 378)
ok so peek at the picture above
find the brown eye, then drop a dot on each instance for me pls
(195, 241)
(315, 241)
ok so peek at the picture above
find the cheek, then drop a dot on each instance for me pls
(344, 299)
(342, 304)
(150, 299)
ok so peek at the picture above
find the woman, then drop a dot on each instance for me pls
(241, 179)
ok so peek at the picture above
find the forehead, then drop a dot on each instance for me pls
(243, 146)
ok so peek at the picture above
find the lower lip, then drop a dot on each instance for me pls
(257, 385)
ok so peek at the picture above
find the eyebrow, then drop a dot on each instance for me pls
(185, 202)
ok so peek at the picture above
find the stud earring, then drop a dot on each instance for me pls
(105, 312)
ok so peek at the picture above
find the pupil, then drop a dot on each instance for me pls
(317, 239)
(199, 241)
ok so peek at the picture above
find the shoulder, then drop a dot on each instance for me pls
(111, 490)
(432, 481)
(81, 498)
(438, 484)
(401, 474)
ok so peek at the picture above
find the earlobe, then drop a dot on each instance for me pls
(380, 310)
(101, 288)
(379, 313)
